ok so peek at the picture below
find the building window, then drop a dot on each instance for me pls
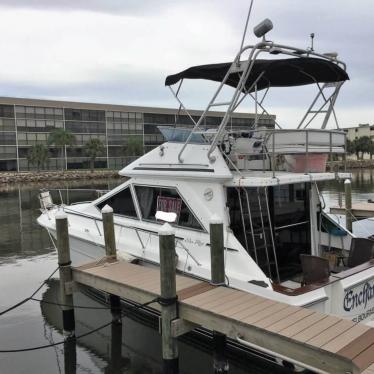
(121, 203)
(152, 199)
(6, 111)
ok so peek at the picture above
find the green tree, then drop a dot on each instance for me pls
(134, 146)
(38, 155)
(371, 151)
(363, 145)
(94, 148)
(61, 138)
(351, 147)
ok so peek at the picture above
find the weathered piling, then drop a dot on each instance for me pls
(220, 363)
(217, 267)
(111, 251)
(70, 355)
(168, 299)
(217, 253)
(116, 363)
(109, 236)
(64, 262)
(348, 204)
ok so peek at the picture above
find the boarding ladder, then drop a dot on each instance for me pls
(258, 231)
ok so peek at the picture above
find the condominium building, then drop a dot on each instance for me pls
(359, 131)
(25, 122)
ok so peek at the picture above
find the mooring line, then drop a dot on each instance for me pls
(80, 336)
(30, 297)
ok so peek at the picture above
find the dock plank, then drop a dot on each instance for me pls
(346, 338)
(316, 328)
(270, 310)
(302, 324)
(232, 309)
(331, 333)
(272, 319)
(293, 318)
(360, 344)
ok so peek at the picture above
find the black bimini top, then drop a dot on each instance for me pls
(276, 73)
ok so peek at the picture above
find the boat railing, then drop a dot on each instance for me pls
(178, 240)
(68, 196)
(294, 150)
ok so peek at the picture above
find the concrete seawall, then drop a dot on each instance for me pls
(14, 177)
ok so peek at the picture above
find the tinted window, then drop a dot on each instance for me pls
(152, 199)
(121, 203)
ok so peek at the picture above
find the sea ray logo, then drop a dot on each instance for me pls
(353, 299)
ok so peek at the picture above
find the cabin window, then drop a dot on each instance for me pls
(152, 199)
(121, 203)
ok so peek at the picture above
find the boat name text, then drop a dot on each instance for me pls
(355, 298)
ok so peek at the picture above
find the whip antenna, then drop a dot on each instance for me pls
(246, 25)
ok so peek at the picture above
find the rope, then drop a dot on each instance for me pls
(77, 337)
(30, 297)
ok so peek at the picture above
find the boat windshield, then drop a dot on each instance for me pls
(180, 135)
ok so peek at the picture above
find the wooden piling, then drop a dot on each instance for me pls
(168, 299)
(109, 236)
(217, 253)
(64, 262)
(220, 363)
(111, 251)
(70, 355)
(348, 204)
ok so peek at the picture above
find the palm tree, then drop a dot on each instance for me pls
(134, 146)
(94, 148)
(61, 138)
(38, 155)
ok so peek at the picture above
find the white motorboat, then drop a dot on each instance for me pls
(262, 183)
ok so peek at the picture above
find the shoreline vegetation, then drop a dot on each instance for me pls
(350, 164)
(55, 175)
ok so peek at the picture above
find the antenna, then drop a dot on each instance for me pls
(246, 25)
(311, 42)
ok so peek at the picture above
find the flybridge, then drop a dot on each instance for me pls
(248, 75)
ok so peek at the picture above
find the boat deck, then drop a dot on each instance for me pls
(327, 343)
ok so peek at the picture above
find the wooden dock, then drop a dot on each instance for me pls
(327, 343)
(360, 210)
(312, 340)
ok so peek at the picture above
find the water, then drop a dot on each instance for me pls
(27, 258)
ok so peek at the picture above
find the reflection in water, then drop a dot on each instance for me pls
(20, 234)
(362, 188)
(27, 257)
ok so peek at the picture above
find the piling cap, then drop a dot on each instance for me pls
(107, 209)
(347, 181)
(166, 229)
(61, 215)
(215, 220)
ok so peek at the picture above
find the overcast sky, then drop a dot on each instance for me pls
(120, 51)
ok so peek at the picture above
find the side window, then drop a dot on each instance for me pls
(152, 199)
(121, 203)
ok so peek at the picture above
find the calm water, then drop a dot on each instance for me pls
(27, 258)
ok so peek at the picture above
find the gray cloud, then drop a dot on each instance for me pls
(101, 6)
(339, 25)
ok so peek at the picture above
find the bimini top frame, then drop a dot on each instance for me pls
(250, 75)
